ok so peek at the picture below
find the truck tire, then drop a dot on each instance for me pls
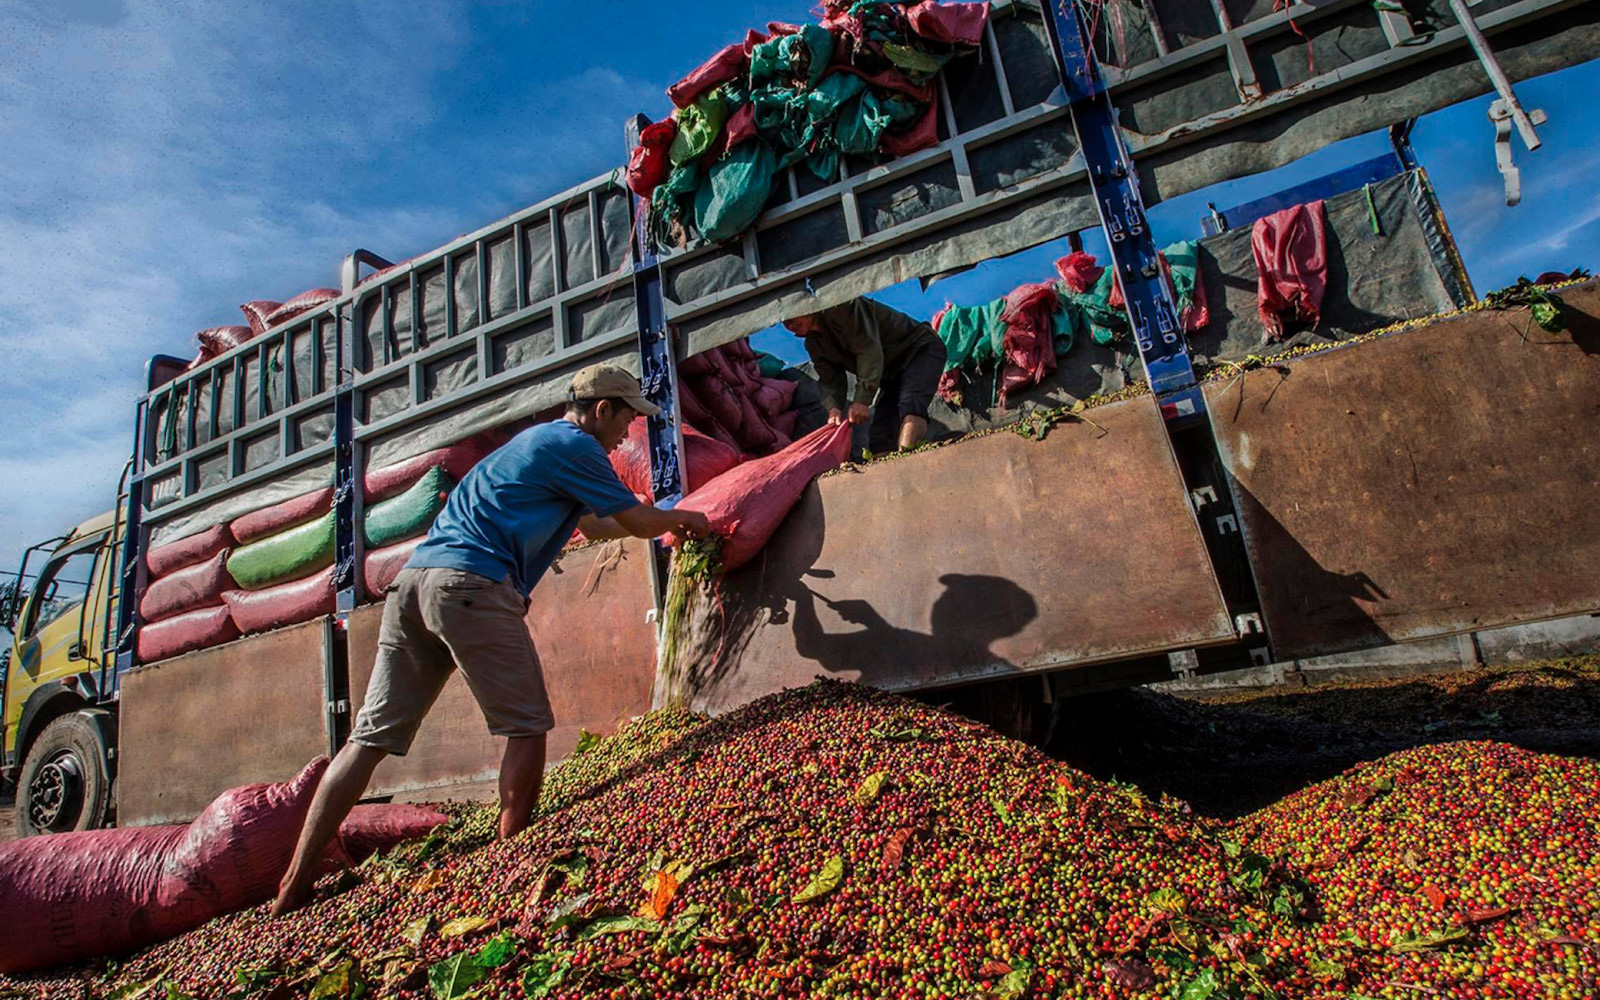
(65, 781)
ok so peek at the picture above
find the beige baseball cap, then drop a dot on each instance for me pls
(608, 381)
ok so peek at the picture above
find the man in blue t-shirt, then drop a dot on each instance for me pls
(461, 600)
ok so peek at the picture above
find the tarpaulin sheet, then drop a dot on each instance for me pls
(1375, 279)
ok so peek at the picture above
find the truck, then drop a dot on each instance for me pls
(1173, 502)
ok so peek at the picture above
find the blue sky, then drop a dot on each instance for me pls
(166, 161)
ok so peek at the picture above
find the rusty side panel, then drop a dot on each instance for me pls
(989, 557)
(199, 724)
(1437, 481)
(597, 652)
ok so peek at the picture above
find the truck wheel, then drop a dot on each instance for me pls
(65, 782)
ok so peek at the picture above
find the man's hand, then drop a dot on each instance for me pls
(693, 524)
(860, 413)
(835, 417)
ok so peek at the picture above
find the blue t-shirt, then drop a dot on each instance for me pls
(512, 514)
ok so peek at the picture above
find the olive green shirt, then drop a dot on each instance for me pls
(864, 337)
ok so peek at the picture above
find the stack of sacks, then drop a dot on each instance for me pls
(262, 315)
(403, 499)
(704, 459)
(859, 83)
(284, 563)
(724, 395)
(183, 606)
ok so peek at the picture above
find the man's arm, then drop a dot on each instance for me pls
(861, 338)
(831, 384)
(644, 521)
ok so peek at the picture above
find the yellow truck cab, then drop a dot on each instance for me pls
(58, 732)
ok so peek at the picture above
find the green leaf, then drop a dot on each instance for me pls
(136, 991)
(452, 978)
(1184, 933)
(566, 914)
(680, 933)
(601, 926)
(586, 741)
(544, 974)
(1015, 983)
(1001, 808)
(1201, 987)
(1427, 942)
(870, 787)
(896, 730)
(343, 982)
(416, 930)
(499, 950)
(575, 866)
(1325, 969)
(823, 882)
(249, 979)
(1167, 900)
(461, 926)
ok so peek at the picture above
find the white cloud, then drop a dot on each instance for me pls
(165, 162)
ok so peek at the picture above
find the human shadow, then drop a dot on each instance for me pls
(778, 618)
(972, 612)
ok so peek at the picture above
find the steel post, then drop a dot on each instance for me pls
(1153, 314)
(658, 368)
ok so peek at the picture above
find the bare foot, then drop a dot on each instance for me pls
(291, 898)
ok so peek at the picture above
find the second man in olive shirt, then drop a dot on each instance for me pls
(895, 358)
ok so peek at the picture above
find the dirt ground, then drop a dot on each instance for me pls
(1229, 754)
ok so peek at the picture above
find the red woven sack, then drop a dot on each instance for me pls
(105, 892)
(951, 23)
(724, 66)
(304, 302)
(719, 399)
(197, 586)
(755, 430)
(704, 459)
(198, 547)
(457, 460)
(285, 604)
(1291, 251)
(219, 340)
(920, 134)
(279, 517)
(774, 396)
(373, 829)
(256, 312)
(746, 505)
(784, 423)
(185, 633)
(648, 164)
(381, 566)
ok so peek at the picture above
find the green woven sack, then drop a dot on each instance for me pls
(288, 555)
(735, 191)
(699, 125)
(409, 514)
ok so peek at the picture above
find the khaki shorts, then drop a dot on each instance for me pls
(438, 620)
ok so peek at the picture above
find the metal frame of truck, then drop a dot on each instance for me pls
(1049, 130)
